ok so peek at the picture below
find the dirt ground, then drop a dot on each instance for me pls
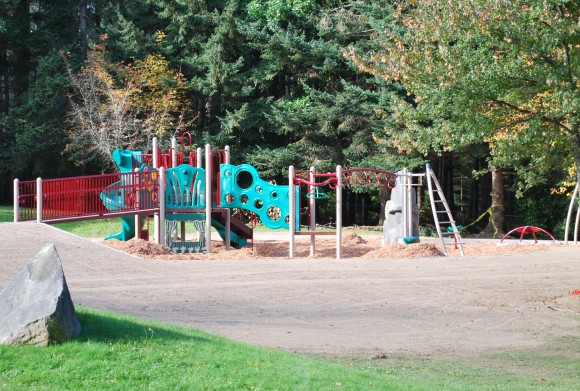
(378, 301)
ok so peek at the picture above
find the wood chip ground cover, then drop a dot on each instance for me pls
(353, 246)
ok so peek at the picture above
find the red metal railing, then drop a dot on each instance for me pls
(27, 200)
(368, 176)
(350, 176)
(163, 159)
(302, 176)
(79, 198)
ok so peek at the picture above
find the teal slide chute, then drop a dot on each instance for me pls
(114, 196)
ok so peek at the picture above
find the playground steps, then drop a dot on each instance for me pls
(449, 233)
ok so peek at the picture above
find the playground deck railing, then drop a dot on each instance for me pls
(86, 197)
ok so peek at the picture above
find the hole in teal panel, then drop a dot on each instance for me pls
(229, 198)
(244, 179)
(259, 189)
(274, 194)
(228, 173)
(258, 204)
(244, 199)
(287, 219)
(274, 213)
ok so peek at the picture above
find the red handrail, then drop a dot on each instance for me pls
(77, 198)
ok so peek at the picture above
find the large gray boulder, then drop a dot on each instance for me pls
(36, 307)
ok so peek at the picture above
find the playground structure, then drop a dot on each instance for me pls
(528, 230)
(176, 187)
(334, 181)
(156, 184)
(401, 223)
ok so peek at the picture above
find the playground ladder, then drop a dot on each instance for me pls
(438, 200)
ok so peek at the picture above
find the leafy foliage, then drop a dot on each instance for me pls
(118, 106)
(505, 73)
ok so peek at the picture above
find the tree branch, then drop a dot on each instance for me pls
(553, 121)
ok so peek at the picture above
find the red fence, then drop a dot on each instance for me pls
(350, 176)
(163, 159)
(85, 197)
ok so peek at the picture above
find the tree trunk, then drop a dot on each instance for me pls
(83, 29)
(496, 218)
(384, 196)
(4, 76)
(21, 70)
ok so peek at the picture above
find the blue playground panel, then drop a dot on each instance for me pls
(241, 187)
(124, 159)
(235, 240)
(185, 187)
(114, 197)
(185, 247)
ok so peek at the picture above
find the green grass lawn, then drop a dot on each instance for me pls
(102, 227)
(120, 353)
(6, 214)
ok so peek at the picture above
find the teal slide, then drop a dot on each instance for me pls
(235, 240)
(124, 160)
(127, 229)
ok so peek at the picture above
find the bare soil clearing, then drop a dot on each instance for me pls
(363, 306)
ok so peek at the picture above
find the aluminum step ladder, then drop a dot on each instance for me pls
(441, 210)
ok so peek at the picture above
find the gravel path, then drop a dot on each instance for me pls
(353, 307)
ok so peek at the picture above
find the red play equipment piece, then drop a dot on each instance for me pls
(528, 230)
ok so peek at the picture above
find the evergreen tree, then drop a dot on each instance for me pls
(32, 86)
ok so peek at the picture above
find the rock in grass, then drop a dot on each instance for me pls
(36, 307)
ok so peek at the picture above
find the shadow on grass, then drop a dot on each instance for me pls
(105, 327)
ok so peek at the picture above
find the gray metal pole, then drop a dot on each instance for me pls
(208, 197)
(576, 226)
(292, 209)
(338, 212)
(228, 215)
(569, 215)
(39, 200)
(198, 158)
(173, 152)
(312, 207)
(161, 193)
(16, 200)
(138, 203)
(156, 216)
(155, 152)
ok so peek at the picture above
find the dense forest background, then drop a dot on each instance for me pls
(487, 92)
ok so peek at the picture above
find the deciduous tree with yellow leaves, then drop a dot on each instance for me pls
(123, 105)
(505, 73)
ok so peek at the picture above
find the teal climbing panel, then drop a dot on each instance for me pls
(185, 187)
(242, 187)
